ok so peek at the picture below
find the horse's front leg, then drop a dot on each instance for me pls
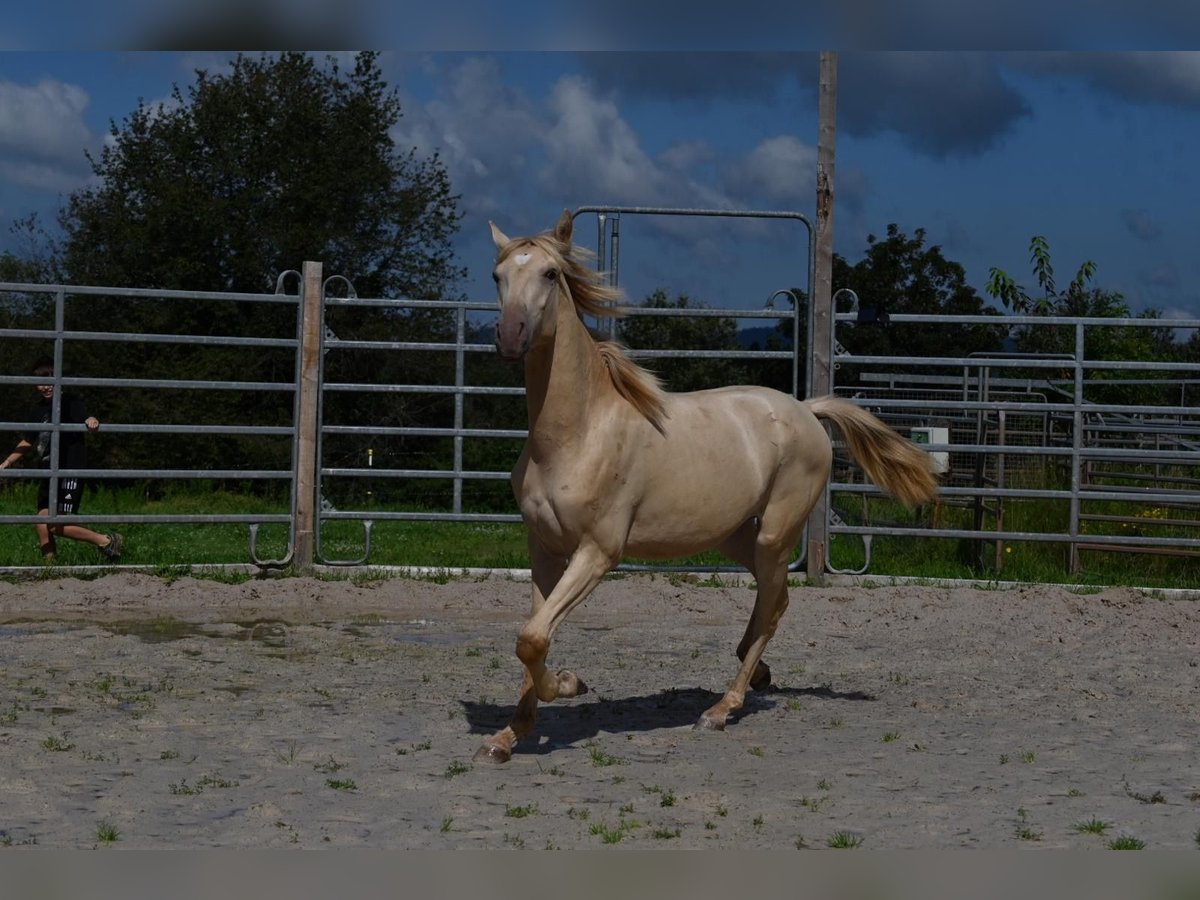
(556, 592)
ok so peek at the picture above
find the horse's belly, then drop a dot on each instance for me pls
(689, 517)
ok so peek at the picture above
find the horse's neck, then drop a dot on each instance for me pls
(562, 382)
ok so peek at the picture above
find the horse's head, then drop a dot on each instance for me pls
(529, 279)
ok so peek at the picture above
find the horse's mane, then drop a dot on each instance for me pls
(590, 295)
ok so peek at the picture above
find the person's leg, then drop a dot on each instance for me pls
(45, 538)
(69, 501)
(44, 535)
(79, 533)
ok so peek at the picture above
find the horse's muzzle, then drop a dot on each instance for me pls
(512, 336)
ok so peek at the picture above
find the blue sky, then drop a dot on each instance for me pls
(983, 149)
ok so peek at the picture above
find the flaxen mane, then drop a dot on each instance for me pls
(591, 296)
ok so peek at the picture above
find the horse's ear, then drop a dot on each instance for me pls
(566, 224)
(498, 236)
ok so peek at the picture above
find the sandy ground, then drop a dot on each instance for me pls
(311, 713)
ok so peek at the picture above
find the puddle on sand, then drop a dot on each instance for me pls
(54, 710)
(158, 631)
(26, 629)
(235, 689)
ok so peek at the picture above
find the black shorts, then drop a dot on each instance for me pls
(70, 495)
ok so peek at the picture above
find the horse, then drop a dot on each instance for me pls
(616, 465)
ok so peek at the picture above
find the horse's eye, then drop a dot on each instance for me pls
(551, 274)
(495, 278)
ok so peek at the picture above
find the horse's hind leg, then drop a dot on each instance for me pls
(740, 548)
(771, 555)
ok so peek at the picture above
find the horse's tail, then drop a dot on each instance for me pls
(902, 469)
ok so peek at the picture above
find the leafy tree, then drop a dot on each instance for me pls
(252, 171)
(1081, 299)
(242, 176)
(684, 333)
(903, 274)
(777, 373)
(1076, 300)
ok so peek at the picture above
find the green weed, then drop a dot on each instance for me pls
(844, 840)
(1093, 826)
(1126, 843)
(600, 758)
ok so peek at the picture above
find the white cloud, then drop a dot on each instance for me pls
(43, 134)
(780, 171)
(484, 131)
(504, 148)
(593, 152)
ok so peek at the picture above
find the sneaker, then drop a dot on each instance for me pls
(112, 550)
(47, 559)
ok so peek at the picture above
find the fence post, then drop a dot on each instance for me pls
(821, 313)
(312, 322)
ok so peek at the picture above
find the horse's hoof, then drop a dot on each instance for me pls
(761, 679)
(490, 753)
(709, 723)
(570, 685)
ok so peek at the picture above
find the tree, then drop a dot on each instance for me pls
(1081, 299)
(684, 333)
(903, 274)
(252, 171)
(242, 176)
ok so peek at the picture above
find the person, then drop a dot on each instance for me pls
(72, 455)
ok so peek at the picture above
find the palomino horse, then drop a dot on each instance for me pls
(615, 465)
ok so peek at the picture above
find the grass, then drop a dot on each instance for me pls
(1033, 561)
(1126, 843)
(611, 835)
(1093, 826)
(602, 759)
(56, 744)
(844, 840)
(174, 550)
(106, 833)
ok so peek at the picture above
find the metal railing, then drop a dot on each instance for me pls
(1006, 415)
(1017, 428)
(60, 336)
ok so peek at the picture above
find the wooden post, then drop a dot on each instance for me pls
(822, 300)
(312, 323)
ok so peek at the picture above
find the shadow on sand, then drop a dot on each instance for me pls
(567, 722)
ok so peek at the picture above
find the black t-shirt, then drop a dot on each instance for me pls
(72, 452)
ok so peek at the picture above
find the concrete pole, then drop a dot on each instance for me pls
(312, 323)
(822, 300)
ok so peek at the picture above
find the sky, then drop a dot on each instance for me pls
(1094, 149)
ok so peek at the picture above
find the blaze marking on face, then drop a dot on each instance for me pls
(521, 258)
